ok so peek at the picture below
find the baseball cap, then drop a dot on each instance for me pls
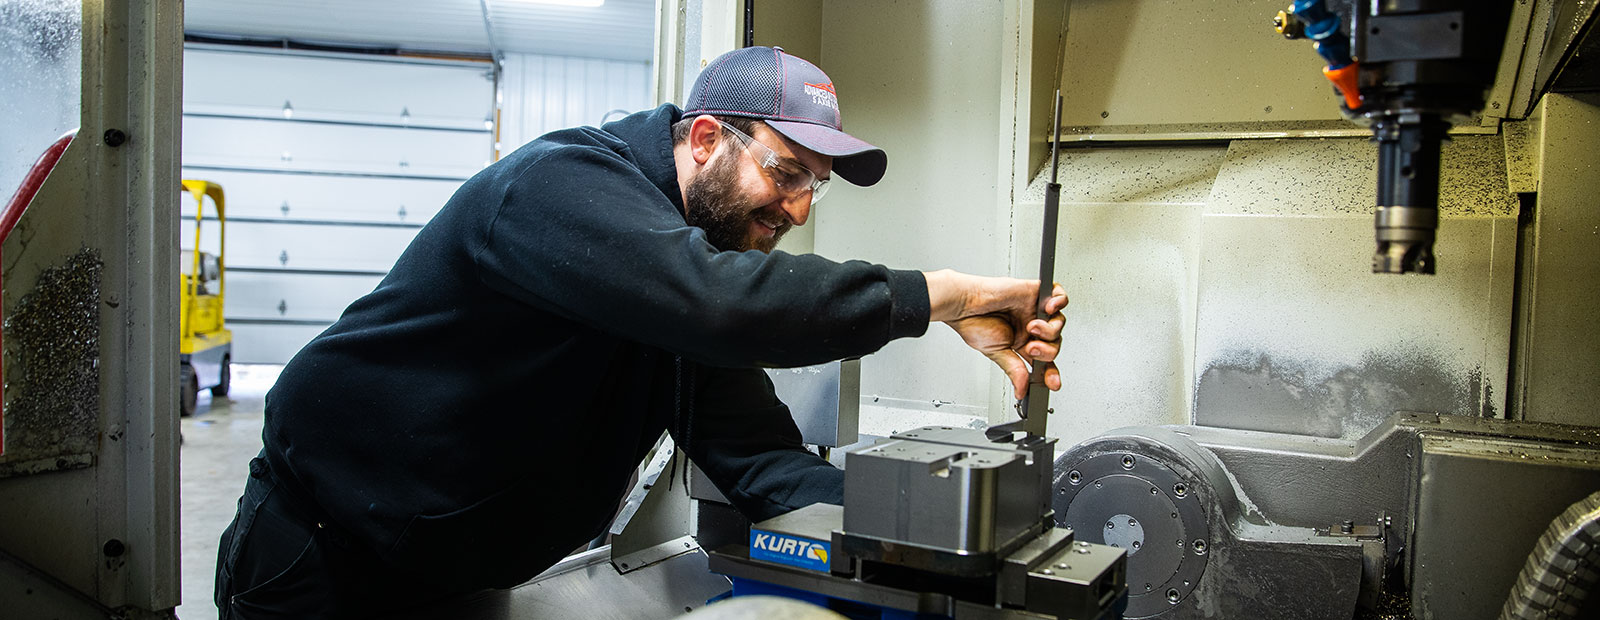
(794, 97)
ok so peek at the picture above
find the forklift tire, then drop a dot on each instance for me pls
(220, 390)
(188, 391)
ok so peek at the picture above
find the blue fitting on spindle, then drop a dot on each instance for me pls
(1322, 26)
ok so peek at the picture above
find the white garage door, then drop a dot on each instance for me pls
(330, 165)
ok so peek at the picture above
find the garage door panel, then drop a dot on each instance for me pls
(270, 343)
(307, 197)
(254, 83)
(255, 144)
(289, 295)
(331, 166)
(302, 247)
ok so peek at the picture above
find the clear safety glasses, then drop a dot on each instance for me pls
(787, 173)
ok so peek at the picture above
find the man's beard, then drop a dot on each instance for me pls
(716, 206)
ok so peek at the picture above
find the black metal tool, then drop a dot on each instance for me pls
(1034, 408)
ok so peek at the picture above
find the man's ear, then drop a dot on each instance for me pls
(704, 134)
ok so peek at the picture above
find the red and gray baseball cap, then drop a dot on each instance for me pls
(794, 97)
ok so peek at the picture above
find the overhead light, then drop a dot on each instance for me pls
(582, 3)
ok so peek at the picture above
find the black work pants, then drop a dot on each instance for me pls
(281, 559)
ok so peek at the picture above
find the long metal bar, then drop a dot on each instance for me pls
(1035, 407)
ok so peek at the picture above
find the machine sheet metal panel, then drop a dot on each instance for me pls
(824, 400)
(1510, 489)
(1128, 255)
(1561, 356)
(1295, 335)
(1163, 62)
(1292, 339)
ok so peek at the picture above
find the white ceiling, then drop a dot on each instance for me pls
(617, 30)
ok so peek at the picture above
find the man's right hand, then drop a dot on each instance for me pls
(998, 318)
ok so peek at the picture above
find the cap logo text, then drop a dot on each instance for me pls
(823, 95)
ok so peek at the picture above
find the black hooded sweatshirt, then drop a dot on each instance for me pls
(478, 415)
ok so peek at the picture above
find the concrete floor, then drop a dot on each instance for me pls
(218, 443)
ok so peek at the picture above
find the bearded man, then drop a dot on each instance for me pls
(478, 415)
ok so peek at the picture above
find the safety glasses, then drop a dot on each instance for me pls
(787, 173)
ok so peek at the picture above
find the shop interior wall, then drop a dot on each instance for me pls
(921, 80)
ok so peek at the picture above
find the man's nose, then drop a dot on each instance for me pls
(797, 207)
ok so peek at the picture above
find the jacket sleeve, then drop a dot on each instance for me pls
(745, 440)
(583, 234)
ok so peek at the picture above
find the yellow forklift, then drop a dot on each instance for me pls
(205, 346)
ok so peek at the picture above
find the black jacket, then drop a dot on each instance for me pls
(478, 415)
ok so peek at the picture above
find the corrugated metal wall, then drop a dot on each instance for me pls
(617, 29)
(546, 93)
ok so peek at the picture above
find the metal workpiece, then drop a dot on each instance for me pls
(1036, 448)
(956, 498)
(945, 490)
(1559, 578)
(1197, 547)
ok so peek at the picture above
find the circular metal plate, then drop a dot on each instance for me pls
(1099, 497)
